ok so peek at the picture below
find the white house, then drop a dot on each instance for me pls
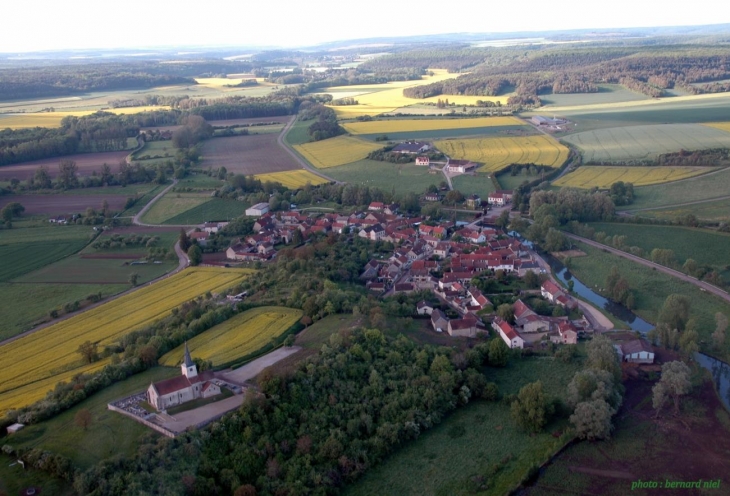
(424, 308)
(635, 351)
(178, 390)
(214, 227)
(257, 210)
(422, 161)
(508, 334)
(499, 197)
(459, 166)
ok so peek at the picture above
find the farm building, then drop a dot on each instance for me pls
(539, 120)
(459, 166)
(432, 197)
(635, 351)
(439, 320)
(189, 386)
(422, 161)
(500, 197)
(214, 227)
(411, 147)
(257, 210)
(466, 327)
(12, 429)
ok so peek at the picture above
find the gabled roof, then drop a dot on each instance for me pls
(550, 287)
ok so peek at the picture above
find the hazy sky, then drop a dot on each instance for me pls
(55, 24)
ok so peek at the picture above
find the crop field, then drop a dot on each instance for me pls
(723, 126)
(63, 204)
(50, 355)
(646, 142)
(711, 211)
(86, 163)
(608, 94)
(479, 184)
(172, 204)
(293, 179)
(259, 154)
(336, 151)
(162, 150)
(704, 246)
(407, 125)
(713, 185)
(651, 288)
(25, 250)
(467, 132)
(446, 459)
(404, 178)
(213, 209)
(237, 337)
(279, 119)
(592, 176)
(498, 153)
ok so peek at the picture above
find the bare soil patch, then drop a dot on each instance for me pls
(86, 162)
(254, 154)
(62, 204)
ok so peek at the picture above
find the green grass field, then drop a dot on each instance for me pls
(651, 288)
(386, 176)
(154, 153)
(707, 186)
(27, 304)
(645, 142)
(173, 204)
(508, 181)
(711, 211)
(144, 200)
(443, 460)
(479, 184)
(202, 181)
(705, 247)
(456, 133)
(608, 93)
(213, 209)
(15, 480)
(298, 134)
(109, 434)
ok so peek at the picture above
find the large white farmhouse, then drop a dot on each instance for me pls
(189, 386)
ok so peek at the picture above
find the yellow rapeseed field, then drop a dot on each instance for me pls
(336, 151)
(498, 153)
(723, 126)
(53, 119)
(292, 179)
(34, 364)
(406, 125)
(239, 336)
(590, 176)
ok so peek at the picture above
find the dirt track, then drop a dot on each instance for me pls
(674, 273)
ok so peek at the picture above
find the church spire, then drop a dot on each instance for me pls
(188, 361)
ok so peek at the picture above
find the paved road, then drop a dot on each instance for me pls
(301, 162)
(675, 273)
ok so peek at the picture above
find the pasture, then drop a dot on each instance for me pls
(213, 209)
(336, 151)
(403, 178)
(172, 204)
(154, 153)
(710, 211)
(703, 187)
(508, 181)
(479, 184)
(109, 433)
(293, 179)
(259, 154)
(704, 246)
(603, 176)
(49, 355)
(651, 288)
(86, 163)
(645, 142)
(498, 153)
(607, 94)
(239, 336)
(472, 441)
(55, 204)
(408, 125)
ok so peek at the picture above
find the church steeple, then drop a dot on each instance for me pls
(189, 369)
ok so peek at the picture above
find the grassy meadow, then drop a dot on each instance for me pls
(498, 153)
(711, 211)
(479, 184)
(411, 125)
(704, 187)
(645, 142)
(293, 179)
(172, 204)
(603, 176)
(607, 94)
(470, 441)
(50, 355)
(651, 288)
(404, 178)
(336, 151)
(242, 335)
(213, 209)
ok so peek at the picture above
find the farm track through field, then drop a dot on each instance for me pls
(707, 200)
(671, 272)
(303, 163)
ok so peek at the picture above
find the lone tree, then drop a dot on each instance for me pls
(498, 353)
(675, 382)
(83, 418)
(592, 419)
(133, 278)
(195, 255)
(89, 352)
(531, 408)
(675, 312)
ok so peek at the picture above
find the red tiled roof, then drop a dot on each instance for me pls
(551, 287)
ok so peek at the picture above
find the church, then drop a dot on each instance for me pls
(178, 390)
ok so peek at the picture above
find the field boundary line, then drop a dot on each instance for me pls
(696, 202)
(280, 141)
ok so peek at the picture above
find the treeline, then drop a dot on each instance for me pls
(355, 402)
(451, 57)
(325, 121)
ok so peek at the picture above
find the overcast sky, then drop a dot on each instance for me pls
(30, 25)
